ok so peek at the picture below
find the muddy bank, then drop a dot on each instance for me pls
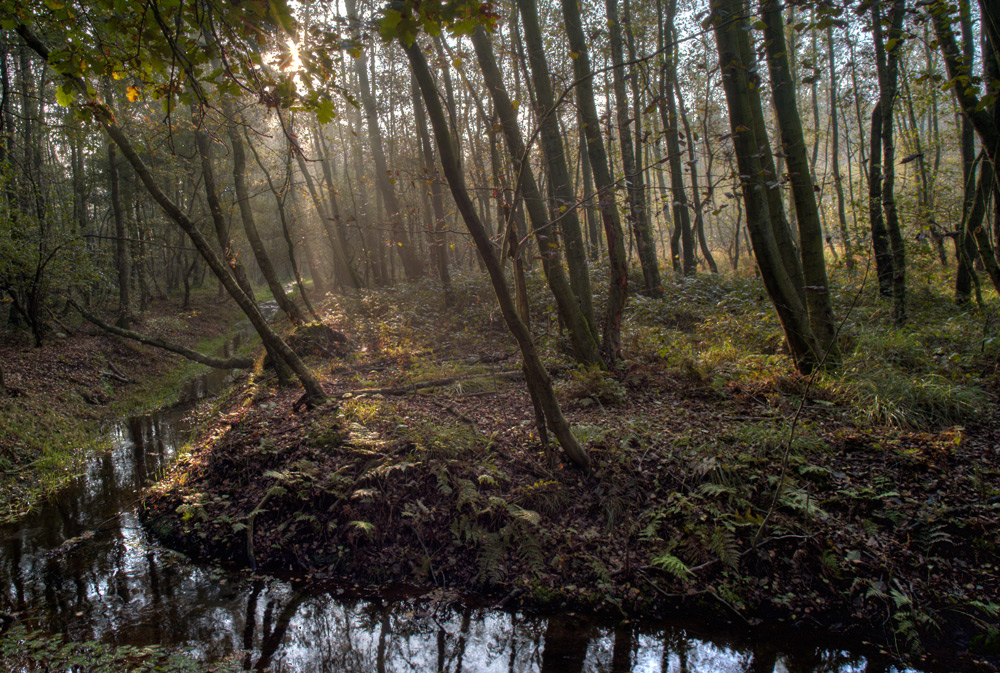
(886, 539)
(59, 396)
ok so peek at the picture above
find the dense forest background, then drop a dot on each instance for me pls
(742, 256)
(146, 145)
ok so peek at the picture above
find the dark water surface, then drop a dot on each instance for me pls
(83, 565)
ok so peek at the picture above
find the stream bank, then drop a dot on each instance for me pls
(61, 395)
(83, 568)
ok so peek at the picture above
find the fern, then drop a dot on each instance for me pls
(467, 493)
(714, 490)
(522, 514)
(991, 609)
(672, 565)
(365, 527)
(493, 554)
(723, 543)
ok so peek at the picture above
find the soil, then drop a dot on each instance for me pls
(57, 396)
(699, 501)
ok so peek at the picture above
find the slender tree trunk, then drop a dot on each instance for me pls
(412, 266)
(537, 377)
(699, 204)
(439, 245)
(335, 229)
(638, 215)
(584, 340)
(618, 289)
(731, 34)
(880, 236)
(965, 243)
(122, 264)
(593, 226)
(682, 240)
(289, 307)
(838, 186)
(279, 199)
(562, 208)
(985, 189)
(817, 286)
(887, 61)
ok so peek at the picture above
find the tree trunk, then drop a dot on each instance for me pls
(562, 208)
(817, 286)
(887, 61)
(638, 215)
(965, 244)
(880, 236)
(412, 266)
(535, 373)
(439, 244)
(682, 240)
(279, 199)
(618, 287)
(122, 264)
(289, 307)
(581, 333)
(845, 237)
(699, 203)
(731, 34)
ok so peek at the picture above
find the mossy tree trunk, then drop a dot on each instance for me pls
(732, 41)
(611, 345)
(562, 207)
(817, 288)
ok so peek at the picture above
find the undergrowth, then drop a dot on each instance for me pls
(932, 371)
(701, 495)
(28, 651)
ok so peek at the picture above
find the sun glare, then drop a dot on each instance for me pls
(295, 63)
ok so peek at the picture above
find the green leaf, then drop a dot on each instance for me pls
(672, 565)
(283, 15)
(65, 95)
(325, 112)
(389, 25)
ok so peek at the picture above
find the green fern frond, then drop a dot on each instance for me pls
(672, 565)
(365, 527)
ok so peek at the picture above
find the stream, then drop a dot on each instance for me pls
(82, 565)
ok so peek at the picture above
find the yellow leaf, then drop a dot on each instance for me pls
(132, 93)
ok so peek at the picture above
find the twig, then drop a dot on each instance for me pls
(457, 414)
(112, 367)
(437, 383)
(217, 363)
(116, 377)
(59, 322)
(798, 411)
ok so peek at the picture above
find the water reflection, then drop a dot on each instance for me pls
(82, 565)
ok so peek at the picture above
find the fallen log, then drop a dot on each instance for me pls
(201, 358)
(436, 383)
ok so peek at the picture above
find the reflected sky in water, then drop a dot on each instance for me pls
(82, 565)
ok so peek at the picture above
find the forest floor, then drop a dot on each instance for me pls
(859, 505)
(60, 395)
